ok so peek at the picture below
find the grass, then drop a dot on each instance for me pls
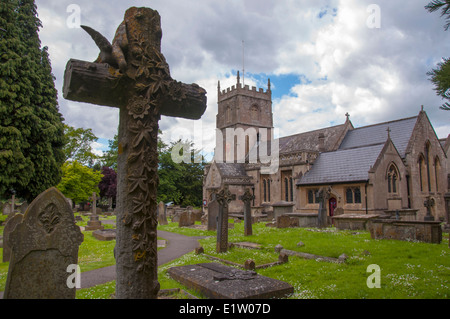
(408, 270)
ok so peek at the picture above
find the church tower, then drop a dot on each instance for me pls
(244, 119)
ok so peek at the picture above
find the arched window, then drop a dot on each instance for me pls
(349, 196)
(254, 110)
(265, 190)
(286, 187)
(428, 162)
(268, 189)
(228, 115)
(392, 177)
(422, 172)
(437, 172)
(291, 187)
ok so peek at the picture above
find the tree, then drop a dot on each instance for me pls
(78, 146)
(108, 183)
(31, 129)
(180, 181)
(78, 181)
(440, 76)
(109, 158)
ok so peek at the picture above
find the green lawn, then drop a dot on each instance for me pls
(407, 269)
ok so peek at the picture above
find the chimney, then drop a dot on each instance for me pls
(321, 142)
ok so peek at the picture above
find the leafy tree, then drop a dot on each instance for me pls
(31, 129)
(109, 158)
(440, 76)
(108, 183)
(180, 181)
(78, 145)
(78, 181)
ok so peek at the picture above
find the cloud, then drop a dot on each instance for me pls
(342, 65)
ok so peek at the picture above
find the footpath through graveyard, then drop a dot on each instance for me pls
(177, 246)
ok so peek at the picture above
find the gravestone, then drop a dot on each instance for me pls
(133, 75)
(224, 197)
(428, 203)
(323, 196)
(213, 213)
(43, 246)
(7, 209)
(247, 198)
(161, 211)
(94, 222)
(217, 281)
(9, 227)
(185, 219)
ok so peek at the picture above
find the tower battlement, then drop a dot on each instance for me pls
(244, 90)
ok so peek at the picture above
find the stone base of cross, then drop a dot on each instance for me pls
(133, 75)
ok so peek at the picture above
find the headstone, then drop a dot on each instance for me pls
(224, 197)
(133, 75)
(7, 209)
(9, 227)
(43, 246)
(104, 234)
(162, 219)
(247, 198)
(428, 203)
(213, 213)
(185, 219)
(283, 221)
(217, 281)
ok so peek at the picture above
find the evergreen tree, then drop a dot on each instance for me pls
(31, 129)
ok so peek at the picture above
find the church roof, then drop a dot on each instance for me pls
(231, 169)
(348, 165)
(309, 141)
(400, 132)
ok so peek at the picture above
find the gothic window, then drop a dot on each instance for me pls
(392, 178)
(254, 110)
(357, 193)
(353, 195)
(286, 189)
(349, 196)
(265, 190)
(291, 188)
(422, 172)
(312, 193)
(265, 181)
(428, 163)
(228, 115)
(437, 172)
(268, 188)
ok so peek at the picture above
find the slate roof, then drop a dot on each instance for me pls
(349, 165)
(309, 141)
(401, 131)
(232, 169)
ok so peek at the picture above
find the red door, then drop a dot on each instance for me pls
(332, 203)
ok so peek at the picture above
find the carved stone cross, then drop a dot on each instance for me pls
(247, 198)
(223, 198)
(133, 75)
(428, 203)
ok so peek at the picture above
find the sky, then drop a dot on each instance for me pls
(324, 58)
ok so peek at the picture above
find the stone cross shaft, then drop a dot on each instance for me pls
(223, 198)
(247, 198)
(133, 75)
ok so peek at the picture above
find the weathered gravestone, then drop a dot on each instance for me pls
(185, 219)
(133, 75)
(43, 246)
(9, 227)
(224, 197)
(94, 222)
(247, 198)
(217, 281)
(161, 211)
(213, 213)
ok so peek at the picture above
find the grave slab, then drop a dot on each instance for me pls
(217, 281)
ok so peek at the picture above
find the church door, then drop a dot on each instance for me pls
(332, 203)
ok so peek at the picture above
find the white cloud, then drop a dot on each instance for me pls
(374, 74)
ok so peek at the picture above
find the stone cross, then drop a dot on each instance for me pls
(133, 75)
(428, 203)
(94, 204)
(247, 198)
(223, 198)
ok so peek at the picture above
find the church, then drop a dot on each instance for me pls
(396, 166)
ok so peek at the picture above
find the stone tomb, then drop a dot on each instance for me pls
(43, 246)
(104, 234)
(217, 281)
